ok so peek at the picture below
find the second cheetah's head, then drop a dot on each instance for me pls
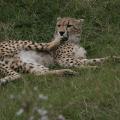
(69, 28)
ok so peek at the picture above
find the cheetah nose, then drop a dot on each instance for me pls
(61, 33)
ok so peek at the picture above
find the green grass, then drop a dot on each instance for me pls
(93, 94)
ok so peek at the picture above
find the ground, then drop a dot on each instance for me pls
(93, 94)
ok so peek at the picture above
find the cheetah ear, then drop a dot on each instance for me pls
(58, 18)
(80, 22)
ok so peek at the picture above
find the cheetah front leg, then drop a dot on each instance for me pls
(44, 46)
(8, 73)
(54, 43)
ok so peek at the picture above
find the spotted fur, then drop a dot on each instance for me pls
(24, 56)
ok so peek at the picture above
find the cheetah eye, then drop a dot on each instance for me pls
(69, 26)
(58, 25)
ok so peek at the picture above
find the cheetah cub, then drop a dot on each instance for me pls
(27, 57)
(70, 54)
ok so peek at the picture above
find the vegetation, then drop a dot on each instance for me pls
(93, 94)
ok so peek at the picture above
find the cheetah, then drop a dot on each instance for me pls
(30, 57)
(27, 57)
(70, 53)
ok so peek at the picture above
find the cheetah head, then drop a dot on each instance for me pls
(69, 28)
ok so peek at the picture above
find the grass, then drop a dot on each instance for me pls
(93, 94)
